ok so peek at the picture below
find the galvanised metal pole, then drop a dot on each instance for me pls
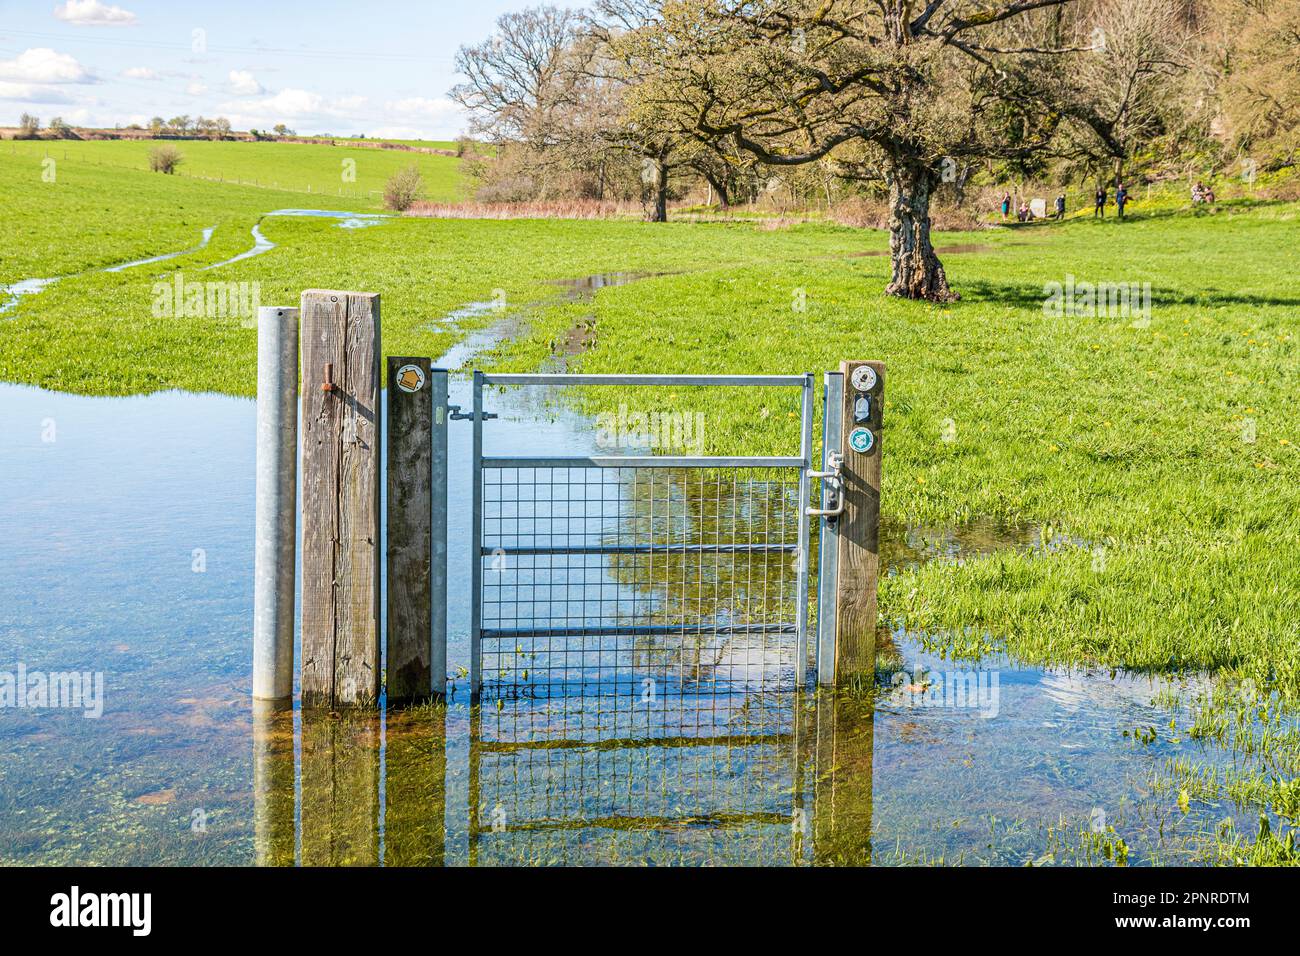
(801, 566)
(476, 546)
(277, 502)
(828, 564)
(438, 528)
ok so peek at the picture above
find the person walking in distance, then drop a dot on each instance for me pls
(1121, 197)
(1006, 205)
(1060, 207)
(1100, 199)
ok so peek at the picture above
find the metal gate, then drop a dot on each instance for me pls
(655, 571)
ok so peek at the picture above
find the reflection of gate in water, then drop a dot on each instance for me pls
(639, 570)
(624, 777)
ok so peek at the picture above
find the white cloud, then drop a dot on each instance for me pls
(351, 104)
(27, 93)
(286, 103)
(43, 65)
(243, 83)
(92, 13)
(295, 102)
(422, 107)
(197, 88)
(140, 73)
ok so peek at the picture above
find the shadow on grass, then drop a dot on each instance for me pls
(1031, 296)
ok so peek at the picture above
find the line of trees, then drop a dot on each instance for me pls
(215, 128)
(904, 98)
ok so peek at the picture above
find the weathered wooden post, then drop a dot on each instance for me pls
(277, 502)
(857, 561)
(340, 498)
(417, 505)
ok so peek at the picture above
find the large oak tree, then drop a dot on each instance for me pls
(918, 87)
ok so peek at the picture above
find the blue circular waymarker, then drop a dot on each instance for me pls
(861, 440)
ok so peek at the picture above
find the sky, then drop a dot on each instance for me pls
(378, 67)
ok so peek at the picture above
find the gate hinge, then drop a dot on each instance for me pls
(455, 414)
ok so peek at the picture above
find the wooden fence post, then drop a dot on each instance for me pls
(340, 498)
(412, 398)
(859, 525)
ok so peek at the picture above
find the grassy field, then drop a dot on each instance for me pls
(1158, 453)
(304, 168)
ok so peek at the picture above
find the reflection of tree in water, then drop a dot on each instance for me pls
(903, 546)
(708, 572)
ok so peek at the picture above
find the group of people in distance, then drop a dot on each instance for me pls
(1202, 193)
(1099, 201)
(1025, 214)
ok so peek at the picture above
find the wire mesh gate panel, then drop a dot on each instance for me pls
(661, 571)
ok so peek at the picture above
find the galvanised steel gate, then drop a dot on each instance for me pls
(657, 571)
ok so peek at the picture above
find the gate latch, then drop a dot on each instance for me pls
(835, 484)
(455, 414)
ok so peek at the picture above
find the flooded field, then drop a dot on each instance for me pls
(131, 522)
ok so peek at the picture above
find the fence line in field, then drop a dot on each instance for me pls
(220, 178)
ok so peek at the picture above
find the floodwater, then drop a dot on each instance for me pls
(130, 525)
(12, 294)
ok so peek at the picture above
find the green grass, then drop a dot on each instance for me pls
(1167, 453)
(304, 168)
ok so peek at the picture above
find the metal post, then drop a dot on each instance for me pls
(438, 529)
(277, 502)
(829, 541)
(801, 573)
(476, 544)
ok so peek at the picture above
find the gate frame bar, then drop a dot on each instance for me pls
(828, 563)
(805, 382)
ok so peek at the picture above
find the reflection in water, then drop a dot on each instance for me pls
(273, 784)
(843, 747)
(348, 814)
(624, 776)
(415, 787)
(340, 790)
(619, 776)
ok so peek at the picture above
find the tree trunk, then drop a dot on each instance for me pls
(660, 211)
(719, 186)
(917, 271)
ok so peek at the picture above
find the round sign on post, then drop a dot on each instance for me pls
(864, 378)
(410, 378)
(861, 440)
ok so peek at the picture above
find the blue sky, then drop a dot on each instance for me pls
(378, 67)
